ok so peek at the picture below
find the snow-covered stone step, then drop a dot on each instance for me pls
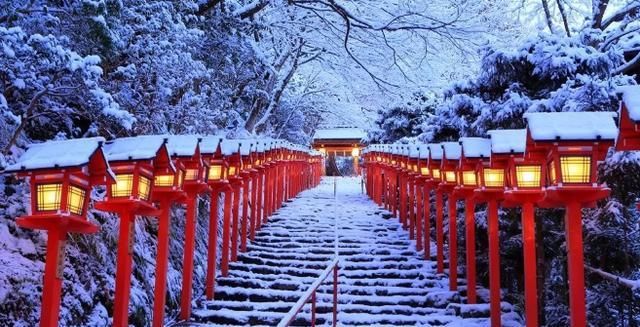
(383, 280)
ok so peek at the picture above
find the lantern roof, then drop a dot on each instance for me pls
(508, 140)
(630, 95)
(246, 146)
(475, 147)
(230, 147)
(63, 154)
(423, 151)
(209, 143)
(576, 126)
(413, 150)
(451, 150)
(135, 148)
(183, 145)
(435, 151)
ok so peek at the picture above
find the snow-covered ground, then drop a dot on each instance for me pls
(383, 280)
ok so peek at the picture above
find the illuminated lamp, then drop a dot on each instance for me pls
(60, 176)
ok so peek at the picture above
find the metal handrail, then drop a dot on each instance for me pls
(311, 294)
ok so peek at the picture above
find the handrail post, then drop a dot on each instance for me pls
(335, 295)
(313, 309)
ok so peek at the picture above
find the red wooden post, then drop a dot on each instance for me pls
(494, 263)
(226, 232)
(123, 269)
(213, 244)
(470, 244)
(237, 186)
(255, 224)
(418, 196)
(530, 269)
(162, 262)
(53, 273)
(573, 226)
(453, 243)
(427, 220)
(260, 196)
(403, 199)
(245, 213)
(410, 202)
(189, 250)
(439, 232)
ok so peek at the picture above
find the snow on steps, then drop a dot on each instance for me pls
(382, 278)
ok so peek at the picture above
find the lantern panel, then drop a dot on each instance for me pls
(424, 171)
(435, 172)
(215, 172)
(123, 187)
(493, 177)
(450, 176)
(469, 178)
(528, 176)
(144, 187)
(49, 197)
(163, 180)
(575, 169)
(232, 171)
(191, 174)
(75, 200)
(180, 178)
(355, 152)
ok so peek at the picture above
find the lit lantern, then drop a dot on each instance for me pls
(435, 163)
(475, 150)
(451, 153)
(211, 148)
(355, 151)
(231, 149)
(492, 175)
(185, 149)
(134, 161)
(572, 144)
(61, 175)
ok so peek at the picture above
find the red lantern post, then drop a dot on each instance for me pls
(474, 151)
(60, 174)
(134, 161)
(435, 163)
(573, 143)
(412, 175)
(247, 175)
(451, 152)
(218, 183)
(186, 149)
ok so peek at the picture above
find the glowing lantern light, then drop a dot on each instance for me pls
(572, 144)
(60, 174)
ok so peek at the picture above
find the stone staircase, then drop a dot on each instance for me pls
(382, 278)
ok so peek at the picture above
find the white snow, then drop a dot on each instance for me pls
(476, 147)
(209, 144)
(435, 151)
(508, 140)
(549, 126)
(66, 153)
(341, 133)
(451, 150)
(133, 148)
(631, 98)
(182, 145)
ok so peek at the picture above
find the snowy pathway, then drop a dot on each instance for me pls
(383, 280)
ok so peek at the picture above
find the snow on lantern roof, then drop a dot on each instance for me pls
(551, 126)
(452, 150)
(246, 146)
(133, 148)
(183, 145)
(58, 154)
(508, 140)
(631, 97)
(209, 144)
(423, 151)
(435, 151)
(476, 147)
(230, 147)
(340, 133)
(413, 150)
